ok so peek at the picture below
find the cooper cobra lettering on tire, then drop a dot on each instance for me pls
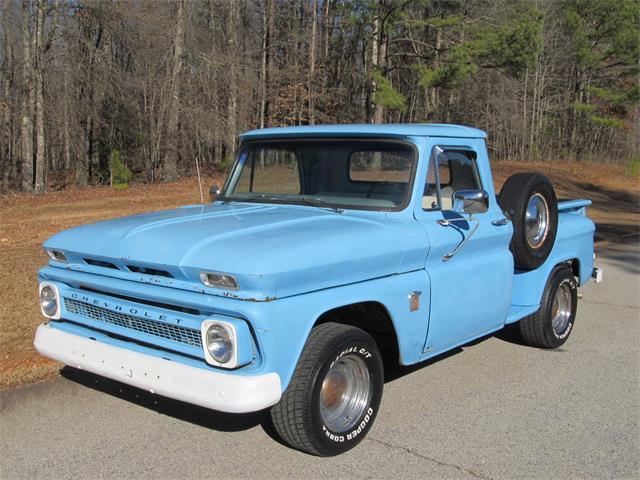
(333, 397)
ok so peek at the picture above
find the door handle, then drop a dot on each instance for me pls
(501, 222)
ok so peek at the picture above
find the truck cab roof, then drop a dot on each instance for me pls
(397, 130)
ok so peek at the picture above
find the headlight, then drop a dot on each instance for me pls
(219, 343)
(219, 280)
(49, 301)
(56, 255)
(227, 342)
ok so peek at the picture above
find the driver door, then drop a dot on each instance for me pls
(470, 290)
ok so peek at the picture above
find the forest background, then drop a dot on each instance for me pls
(139, 88)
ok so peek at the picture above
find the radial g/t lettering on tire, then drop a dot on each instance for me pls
(334, 395)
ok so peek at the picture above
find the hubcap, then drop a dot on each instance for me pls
(346, 392)
(536, 220)
(561, 309)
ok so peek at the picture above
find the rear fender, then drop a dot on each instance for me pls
(574, 242)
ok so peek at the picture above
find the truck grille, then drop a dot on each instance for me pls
(174, 333)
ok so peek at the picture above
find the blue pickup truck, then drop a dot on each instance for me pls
(330, 252)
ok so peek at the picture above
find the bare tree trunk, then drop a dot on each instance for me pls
(263, 63)
(27, 100)
(271, 14)
(67, 136)
(6, 127)
(312, 58)
(433, 91)
(232, 105)
(378, 116)
(378, 63)
(39, 97)
(523, 135)
(374, 63)
(325, 21)
(170, 163)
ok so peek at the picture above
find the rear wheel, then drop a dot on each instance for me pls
(531, 202)
(551, 325)
(334, 395)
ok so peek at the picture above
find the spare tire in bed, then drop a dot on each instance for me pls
(530, 201)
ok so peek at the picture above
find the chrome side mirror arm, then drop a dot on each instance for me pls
(463, 242)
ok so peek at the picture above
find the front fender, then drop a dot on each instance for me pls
(291, 319)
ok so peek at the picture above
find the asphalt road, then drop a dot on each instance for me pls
(492, 409)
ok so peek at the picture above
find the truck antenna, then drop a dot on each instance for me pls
(199, 181)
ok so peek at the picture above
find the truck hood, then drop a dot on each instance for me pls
(273, 250)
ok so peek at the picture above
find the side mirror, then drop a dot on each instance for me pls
(214, 191)
(470, 201)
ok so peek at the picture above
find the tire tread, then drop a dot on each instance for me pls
(289, 419)
(533, 329)
(513, 198)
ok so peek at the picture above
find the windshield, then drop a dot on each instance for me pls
(373, 174)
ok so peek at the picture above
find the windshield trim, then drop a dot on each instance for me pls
(405, 142)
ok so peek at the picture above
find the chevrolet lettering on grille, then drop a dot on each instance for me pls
(119, 308)
(146, 322)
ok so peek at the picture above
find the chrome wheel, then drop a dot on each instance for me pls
(536, 220)
(561, 308)
(346, 392)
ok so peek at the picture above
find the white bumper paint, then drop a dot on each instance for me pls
(218, 391)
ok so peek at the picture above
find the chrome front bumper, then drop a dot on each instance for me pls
(225, 392)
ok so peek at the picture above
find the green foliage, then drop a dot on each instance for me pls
(603, 29)
(511, 47)
(435, 22)
(610, 122)
(120, 173)
(386, 95)
(633, 167)
(584, 107)
(606, 46)
(458, 67)
(628, 96)
(224, 165)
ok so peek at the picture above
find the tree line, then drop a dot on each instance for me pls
(155, 85)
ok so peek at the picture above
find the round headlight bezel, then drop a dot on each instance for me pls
(219, 343)
(52, 298)
(227, 335)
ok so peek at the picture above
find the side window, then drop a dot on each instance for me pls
(449, 170)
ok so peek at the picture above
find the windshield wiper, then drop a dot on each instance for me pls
(252, 198)
(312, 202)
(320, 203)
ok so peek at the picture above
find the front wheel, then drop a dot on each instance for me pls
(334, 395)
(551, 325)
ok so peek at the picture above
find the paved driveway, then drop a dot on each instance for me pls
(492, 409)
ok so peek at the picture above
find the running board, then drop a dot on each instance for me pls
(518, 312)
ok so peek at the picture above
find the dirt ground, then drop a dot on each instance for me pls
(27, 221)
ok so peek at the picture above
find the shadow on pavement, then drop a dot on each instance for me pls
(624, 255)
(166, 406)
(617, 233)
